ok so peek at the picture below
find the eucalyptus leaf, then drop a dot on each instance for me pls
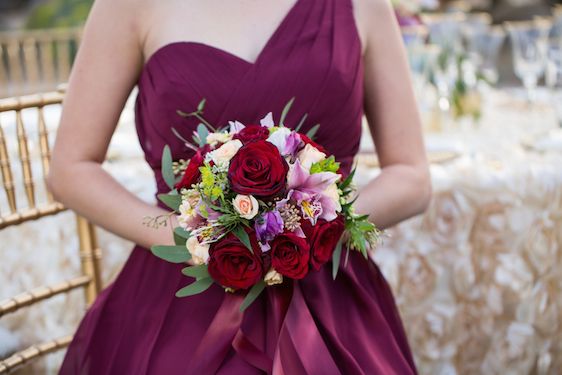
(301, 122)
(202, 132)
(198, 272)
(172, 254)
(285, 111)
(182, 232)
(201, 105)
(171, 200)
(253, 293)
(312, 132)
(167, 170)
(336, 256)
(239, 232)
(179, 136)
(178, 240)
(196, 287)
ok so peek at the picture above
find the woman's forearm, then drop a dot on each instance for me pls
(88, 189)
(397, 193)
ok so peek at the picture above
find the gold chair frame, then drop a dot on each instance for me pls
(36, 60)
(90, 254)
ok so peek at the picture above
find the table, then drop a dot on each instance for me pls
(477, 277)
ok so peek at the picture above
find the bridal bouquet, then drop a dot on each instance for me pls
(258, 204)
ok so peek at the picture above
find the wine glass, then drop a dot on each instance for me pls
(553, 75)
(529, 40)
(483, 47)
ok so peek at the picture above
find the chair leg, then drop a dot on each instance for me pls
(90, 257)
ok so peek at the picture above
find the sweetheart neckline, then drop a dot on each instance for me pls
(215, 49)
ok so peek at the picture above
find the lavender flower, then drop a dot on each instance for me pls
(267, 226)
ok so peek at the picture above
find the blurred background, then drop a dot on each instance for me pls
(478, 277)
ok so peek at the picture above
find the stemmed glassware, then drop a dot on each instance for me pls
(553, 76)
(529, 40)
(483, 47)
(445, 32)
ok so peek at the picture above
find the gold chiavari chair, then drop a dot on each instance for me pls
(36, 60)
(23, 205)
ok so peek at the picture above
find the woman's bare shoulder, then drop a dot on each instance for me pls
(370, 16)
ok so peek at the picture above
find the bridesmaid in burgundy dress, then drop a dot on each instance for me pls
(339, 58)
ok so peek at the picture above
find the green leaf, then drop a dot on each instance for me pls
(182, 233)
(348, 180)
(239, 232)
(167, 170)
(363, 247)
(198, 272)
(285, 111)
(301, 122)
(201, 105)
(326, 165)
(196, 287)
(171, 200)
(179, 241)
(202, 132)
(172, 254)
(252, 295)
(182, 113)
(312, 132)
(336, 256)
(181, 236)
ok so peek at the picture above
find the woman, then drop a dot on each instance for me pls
(339, 58)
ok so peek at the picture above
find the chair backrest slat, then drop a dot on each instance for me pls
(23, 149)
(44, 149)
(36, 60)
(31, 61)
(6, 171)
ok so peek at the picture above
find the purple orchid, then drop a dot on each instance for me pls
(308, 190)
(236, 127)
(267, 226)
(286, 141)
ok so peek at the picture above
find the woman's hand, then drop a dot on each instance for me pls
(403, 188)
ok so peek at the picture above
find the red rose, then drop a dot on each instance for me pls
(258, 169)
(289, 255)
(233, 265)
(252, 133)
(323, 238)
(192, 173)
(308, 141)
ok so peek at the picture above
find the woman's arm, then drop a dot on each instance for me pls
(403, 188)
(105, 71)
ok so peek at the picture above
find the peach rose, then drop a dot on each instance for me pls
(199, 251)
(224, 153)
(246, 205)
(214, 138)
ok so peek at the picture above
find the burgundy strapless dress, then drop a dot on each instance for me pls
(313, 326)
